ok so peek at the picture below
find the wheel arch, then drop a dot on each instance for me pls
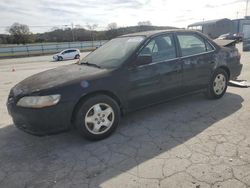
(225, 68)
(59, 57)
(91, 94)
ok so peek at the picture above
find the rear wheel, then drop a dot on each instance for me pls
(98, 117)
(218, 84)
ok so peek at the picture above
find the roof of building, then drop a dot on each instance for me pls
(208, 22)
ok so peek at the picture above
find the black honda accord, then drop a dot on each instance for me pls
(127, 73)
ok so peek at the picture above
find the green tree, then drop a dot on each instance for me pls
(144, 23)
(20, 33)
(112, 30)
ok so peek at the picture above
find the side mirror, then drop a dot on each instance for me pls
(144, 59)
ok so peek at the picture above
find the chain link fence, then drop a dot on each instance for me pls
(46, 48)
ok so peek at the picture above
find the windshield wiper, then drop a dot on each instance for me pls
(90, 64)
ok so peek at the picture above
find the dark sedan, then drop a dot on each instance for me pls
(127, 73)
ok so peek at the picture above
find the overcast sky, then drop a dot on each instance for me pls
(177, 13)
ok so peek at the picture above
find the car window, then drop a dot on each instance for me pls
(152, 46)
(209, 47)
(114, 52)
(161, 48)
(65, 52)
(191, 44)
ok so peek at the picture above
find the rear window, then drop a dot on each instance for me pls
(191, 44)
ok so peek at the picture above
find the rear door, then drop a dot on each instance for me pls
(169, 65)
(197, 57)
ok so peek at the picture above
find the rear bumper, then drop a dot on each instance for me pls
(235, 71)
(42, 121)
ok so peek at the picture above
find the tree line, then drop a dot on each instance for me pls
(20, 33)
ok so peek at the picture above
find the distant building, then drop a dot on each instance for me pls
(242, 26)
(215, 28)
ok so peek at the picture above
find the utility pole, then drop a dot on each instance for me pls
(72, 27)
(246, 7)
(202, 27)
(92, 28)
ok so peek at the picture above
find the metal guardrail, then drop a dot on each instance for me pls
(46, 48)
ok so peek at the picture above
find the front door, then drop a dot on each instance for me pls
(169, 65)
(144, 83)
(158, 80)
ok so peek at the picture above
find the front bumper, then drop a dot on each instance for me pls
(43, 121)
(55, 57)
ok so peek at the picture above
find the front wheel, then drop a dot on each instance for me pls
(218, 84)
(97, 117)
(59, 58)
(77, 56)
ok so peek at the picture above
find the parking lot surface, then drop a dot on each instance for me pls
(189, 142)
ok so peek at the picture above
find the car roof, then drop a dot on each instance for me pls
(71, 49)
(156, 32)
(149, 34)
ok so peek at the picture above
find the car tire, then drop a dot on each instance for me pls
(77, 56)
(97, 117)
(218, 84)
(60, 58)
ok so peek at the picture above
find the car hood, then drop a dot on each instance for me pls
(57, 54)
(57, 77)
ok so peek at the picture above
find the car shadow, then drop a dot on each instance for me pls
(68, 160)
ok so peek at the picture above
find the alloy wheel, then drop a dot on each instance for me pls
(99, 118)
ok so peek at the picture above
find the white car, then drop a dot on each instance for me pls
(67, 54)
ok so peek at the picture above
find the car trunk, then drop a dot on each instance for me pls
(230, 46)
(226, 43)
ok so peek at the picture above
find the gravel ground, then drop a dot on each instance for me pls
(189, 142)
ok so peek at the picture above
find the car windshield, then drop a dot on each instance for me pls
(113, 53)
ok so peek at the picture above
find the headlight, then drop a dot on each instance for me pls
(38, 101)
